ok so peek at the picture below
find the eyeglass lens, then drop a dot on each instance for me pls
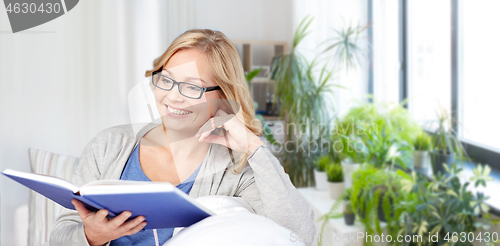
(186, 89)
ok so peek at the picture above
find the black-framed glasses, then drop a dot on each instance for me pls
(186, 89)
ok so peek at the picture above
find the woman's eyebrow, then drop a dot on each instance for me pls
(187, 78)
(192, 78)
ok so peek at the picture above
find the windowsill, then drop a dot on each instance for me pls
(491, 189)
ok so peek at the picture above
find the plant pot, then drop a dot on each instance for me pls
(438, 158)
(420, 159)
(321, 180)
(380, 208)
(348, 170)
(336, 189)
(349, 219)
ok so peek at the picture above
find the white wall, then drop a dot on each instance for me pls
(64, 81)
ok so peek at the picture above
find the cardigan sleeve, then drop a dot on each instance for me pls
(273, 195)
(68, 228)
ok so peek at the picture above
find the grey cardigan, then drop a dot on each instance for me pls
(263, 184)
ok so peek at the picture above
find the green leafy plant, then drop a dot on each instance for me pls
(322, 163)
(422, 142)
(415, 205)
(250, 75)
(303, 97)
(335, 173)
(444, 205)
(384, 150)
(481, 175)
(348, 50)
(377, 133)
(375, 191)
(346, 196)
(348, 208)
(445, 137)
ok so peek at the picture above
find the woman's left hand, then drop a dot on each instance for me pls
(238, 137)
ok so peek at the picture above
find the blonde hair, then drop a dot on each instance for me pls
(227, 72)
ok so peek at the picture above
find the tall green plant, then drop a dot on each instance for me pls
(303, 105)
(348, 51)
(446, 138)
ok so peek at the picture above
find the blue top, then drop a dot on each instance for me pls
(133, 171)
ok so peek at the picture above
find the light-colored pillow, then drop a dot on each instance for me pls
(42, 211)
(234, 223)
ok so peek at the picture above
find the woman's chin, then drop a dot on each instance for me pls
(179, 124)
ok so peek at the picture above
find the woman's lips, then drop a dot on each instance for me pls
(174, 111)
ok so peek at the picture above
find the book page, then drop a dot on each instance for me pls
(41, 179)
(124, 187)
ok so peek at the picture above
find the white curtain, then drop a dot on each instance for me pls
(330, 14)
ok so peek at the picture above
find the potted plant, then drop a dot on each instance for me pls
(446, 147)
(348, 211)
(421, 148)
(349, 215)
(320, 172)
(379, 133)
(347, 147)
(445, 205)
(335, 173)
(304, 96)
(375, 192)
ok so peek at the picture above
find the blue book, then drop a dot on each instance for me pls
(161, 203)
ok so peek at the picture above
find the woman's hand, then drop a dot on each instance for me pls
(238, 137)
(100, 230)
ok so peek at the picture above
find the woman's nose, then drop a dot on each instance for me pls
(174, 94)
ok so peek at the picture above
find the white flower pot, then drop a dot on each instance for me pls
(321, 180)
(349, 168)
(420, 159)
(336, 189)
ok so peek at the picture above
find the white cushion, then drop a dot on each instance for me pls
(234, 224)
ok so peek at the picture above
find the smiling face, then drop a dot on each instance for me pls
(180, 113)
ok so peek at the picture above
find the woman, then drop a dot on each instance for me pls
(200, 89)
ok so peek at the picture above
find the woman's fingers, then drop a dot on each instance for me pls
(81, 209)
(137, 228)
(100, 215)
(133, 224)
(120, 219)
(213, 123)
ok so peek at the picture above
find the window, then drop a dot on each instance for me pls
(479, 98)
(429, 59)
(386, 50)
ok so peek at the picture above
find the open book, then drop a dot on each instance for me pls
(162, 204)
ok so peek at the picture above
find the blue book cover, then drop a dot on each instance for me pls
(162, 204)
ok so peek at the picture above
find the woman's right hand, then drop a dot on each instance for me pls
(100, 230)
